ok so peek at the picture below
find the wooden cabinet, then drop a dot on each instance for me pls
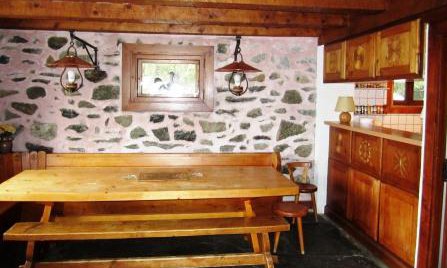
(399, 51)
(398, 222)
(360, 58)
(367, 153)
(401, 167)
(394, 53)
(340, 144)
(338, 175)
(363, 202)
(334, 62)
(372, 189)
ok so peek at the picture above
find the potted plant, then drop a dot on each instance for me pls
(6, 136)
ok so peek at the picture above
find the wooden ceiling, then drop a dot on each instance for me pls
(329, 19)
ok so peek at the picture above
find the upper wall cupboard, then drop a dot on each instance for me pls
(393, 53)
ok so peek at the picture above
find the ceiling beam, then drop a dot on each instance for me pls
(396, 12)
(132, 27)
(369, 6)
(153, 14)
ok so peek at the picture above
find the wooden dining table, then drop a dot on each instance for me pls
(149, 183)
(148, 193)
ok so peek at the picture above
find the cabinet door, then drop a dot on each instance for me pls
(398, 222)
(338, 175)
(399, 51)
(334, 62)
(367, 153)
(340, 144)
(363, 202)
(401, 165)
(360, 58)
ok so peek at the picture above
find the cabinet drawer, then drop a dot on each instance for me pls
(398, 222)
(366, 153)
(401, 165)
(340, 144)
(363, 202)
(338, 175)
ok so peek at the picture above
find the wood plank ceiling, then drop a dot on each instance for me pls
(329, 19)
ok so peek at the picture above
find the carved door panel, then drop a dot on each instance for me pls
(401, 165)
(360, 58)
(340, 144)
(334, 62)
(366, 153)
(338, 175)
(399, 51)
(363, 202)
(398, 222)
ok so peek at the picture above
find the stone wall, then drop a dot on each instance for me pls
(277, 113)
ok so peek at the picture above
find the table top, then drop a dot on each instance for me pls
(125, 184)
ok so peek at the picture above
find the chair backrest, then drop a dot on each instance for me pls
(292, 166)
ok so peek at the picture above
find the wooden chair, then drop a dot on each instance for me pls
(291, 210)
(305, 187)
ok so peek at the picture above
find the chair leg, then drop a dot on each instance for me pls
(314, 206)
(300, 234)
(296, 200)
(275, 244)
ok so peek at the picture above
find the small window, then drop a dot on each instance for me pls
(405, 96)
(167, 78)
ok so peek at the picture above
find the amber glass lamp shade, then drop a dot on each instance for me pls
(345, 105)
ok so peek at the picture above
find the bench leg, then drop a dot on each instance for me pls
(265, 247)
(29, 257)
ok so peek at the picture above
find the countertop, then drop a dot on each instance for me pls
(382, 132)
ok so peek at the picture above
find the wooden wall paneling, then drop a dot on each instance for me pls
(338, 175)
(158, 160)
(360, 58)
(363, 202)
(398, 222)
(334, 62)
(340, 144)
(366, 153)
(401, 165)
(25, 161)
(399, 51)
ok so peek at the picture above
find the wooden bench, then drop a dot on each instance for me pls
(92, 230)
(159, 218)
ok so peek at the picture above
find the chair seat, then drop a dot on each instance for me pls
(307, 188)
(290, 209)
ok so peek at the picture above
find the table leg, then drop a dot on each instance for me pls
(46, 214)
(253, 236)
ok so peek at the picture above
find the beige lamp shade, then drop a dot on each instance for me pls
(345, 104)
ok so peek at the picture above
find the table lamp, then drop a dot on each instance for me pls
(345, 104)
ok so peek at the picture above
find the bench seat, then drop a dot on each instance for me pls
(95, 230)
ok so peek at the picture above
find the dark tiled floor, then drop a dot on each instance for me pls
(325, 245)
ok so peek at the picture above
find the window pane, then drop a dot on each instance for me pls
(169, 79)
(399, 90)
(418, 90)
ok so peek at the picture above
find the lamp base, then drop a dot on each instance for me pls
(345, 118)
